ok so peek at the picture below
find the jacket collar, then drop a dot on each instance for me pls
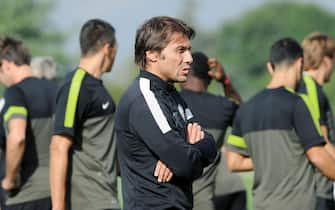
(156, 81)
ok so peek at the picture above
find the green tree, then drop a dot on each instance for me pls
(243, 44)
(28, 20)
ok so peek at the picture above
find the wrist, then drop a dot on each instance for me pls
(9, 179)
(7, 184)
(58, 206)
(226, 80)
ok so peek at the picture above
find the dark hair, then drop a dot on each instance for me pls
(156, 33)
(94, 34)
(200, 68)
(13, 50)
(286, 50)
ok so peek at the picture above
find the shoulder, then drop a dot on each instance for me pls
(74, 76)
(225, 101)
(74, 81)
(13, 92)
(131, 95)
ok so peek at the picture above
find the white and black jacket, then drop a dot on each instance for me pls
(150, 124)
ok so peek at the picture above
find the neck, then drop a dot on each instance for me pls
(282, 78)
(22, 73)
(316, 75)
(92, 65)
(153, 70)
(194, 84)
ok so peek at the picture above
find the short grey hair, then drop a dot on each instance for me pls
(43, 67)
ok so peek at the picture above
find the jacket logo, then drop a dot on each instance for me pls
(105, 105)
(181, 112)
(188, 114)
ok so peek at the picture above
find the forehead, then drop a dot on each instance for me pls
(179, 40)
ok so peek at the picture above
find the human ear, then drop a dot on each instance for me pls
(328, 62)
(269, 67)
(152, 56)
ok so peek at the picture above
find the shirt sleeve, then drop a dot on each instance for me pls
(70, 109)
(235, 141)
(306, 124)
(15, 106)
(185, 160)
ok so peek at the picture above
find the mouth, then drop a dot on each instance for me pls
(186, 70)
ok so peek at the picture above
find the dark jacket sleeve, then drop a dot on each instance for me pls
(184, 159)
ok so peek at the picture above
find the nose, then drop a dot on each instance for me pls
(188, 57)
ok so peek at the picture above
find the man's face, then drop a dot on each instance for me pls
(174, 61)
(110, 58)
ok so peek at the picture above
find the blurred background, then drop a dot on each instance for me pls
(239, 33)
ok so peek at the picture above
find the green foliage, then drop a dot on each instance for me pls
(28, 20)
(243, 44)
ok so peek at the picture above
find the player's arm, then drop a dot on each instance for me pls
(324, 107)
(237, 162)
(184, 159)
(14, 118)
(219, 75)
(322, 160)
(237, 156)
(236, 148)
(330, 149)
(14, 152)
(309, 133)
(324, 131)
(68, 114)
(194, 134)
(59, 161)
(329, 146)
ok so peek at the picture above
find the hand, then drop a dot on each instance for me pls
(218, 72)
(8, 184)
(194, 133)
(163, 173)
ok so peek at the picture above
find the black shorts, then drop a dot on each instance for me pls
(41, 204)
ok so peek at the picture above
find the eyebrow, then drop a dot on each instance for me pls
(184, 47)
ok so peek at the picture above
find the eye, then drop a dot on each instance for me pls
(182, 50)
